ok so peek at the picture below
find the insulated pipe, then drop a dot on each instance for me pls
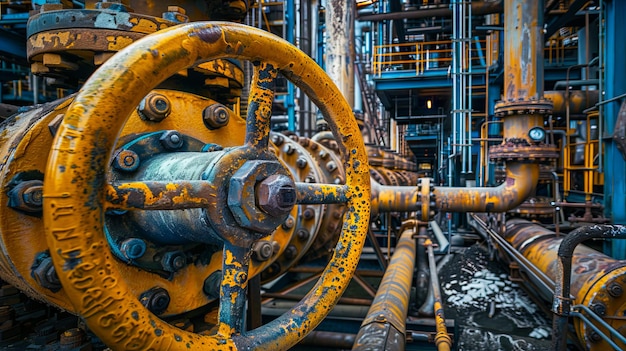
(384, 326)
(521, 179)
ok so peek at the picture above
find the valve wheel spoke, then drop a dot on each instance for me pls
(315, 193)
(236, 260)
(260, 106)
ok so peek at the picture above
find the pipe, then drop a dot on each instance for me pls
(384, 326)
(521, 179)
(442, 339)
(595, 280)
(478, 8)
(562, 302)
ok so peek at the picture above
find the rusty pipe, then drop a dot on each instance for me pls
(562, 302)
(384, 326)
(597, 280)
(521, 179)
(442, 339)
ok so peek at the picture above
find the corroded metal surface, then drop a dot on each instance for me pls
(390, 306)
(596, 279)
(74, 189)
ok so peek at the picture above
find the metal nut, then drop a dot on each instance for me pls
(126, 160)
(216, 116)
(171, 140)
(44, 273)
(262, 250)
(156, 300)
(154, 107)
(276, 195)
(173, 261)
(133, 248)
(26, 196)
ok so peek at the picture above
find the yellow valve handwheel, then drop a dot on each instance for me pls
(77, 193)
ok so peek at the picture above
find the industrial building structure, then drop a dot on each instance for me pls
(324, 174)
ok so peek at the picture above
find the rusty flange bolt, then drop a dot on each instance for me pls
(154, 107)
(26, 196)
(156, 300)
(261, 195)
(44, 273)
(216, 116)
(171, 140)
(126, 160)
(173, 261)
(276, 194)
(262, 250)
(133, 248)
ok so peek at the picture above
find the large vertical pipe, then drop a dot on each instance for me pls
(340, 46)
(523, 65)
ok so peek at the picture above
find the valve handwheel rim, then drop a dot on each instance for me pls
(75, 199)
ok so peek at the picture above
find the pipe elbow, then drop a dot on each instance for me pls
(521, 180)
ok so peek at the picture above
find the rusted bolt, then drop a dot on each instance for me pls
(308, 213)
(211, 287)
(275, 246)
(615, 290)
(126, 160)
(156, 300)
(301, 162)
(289, 149)
(291, 252)
(215, 116)
(277, 139)
(331, 166)
(303, 234)
(323, 154)
(173, 261)
(276, 194)
(133, 248)
(44, 273)
(154, 107)
(26, 196)
(289, 223)
(171, 140)
(262, 250)
(599, 308)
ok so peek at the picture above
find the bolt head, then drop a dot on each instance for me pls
(276, 194)
(216, 116)
(171, 140)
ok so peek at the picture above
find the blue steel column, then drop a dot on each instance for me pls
(615, 81)
(290, 18)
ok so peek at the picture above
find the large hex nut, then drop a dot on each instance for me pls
(242, 199)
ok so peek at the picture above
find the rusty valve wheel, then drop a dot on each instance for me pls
(77, 193)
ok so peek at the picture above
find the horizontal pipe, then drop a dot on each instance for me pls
(521, 179)
(562, 303)
(478, 8)
(384, 326)
(326, 339)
